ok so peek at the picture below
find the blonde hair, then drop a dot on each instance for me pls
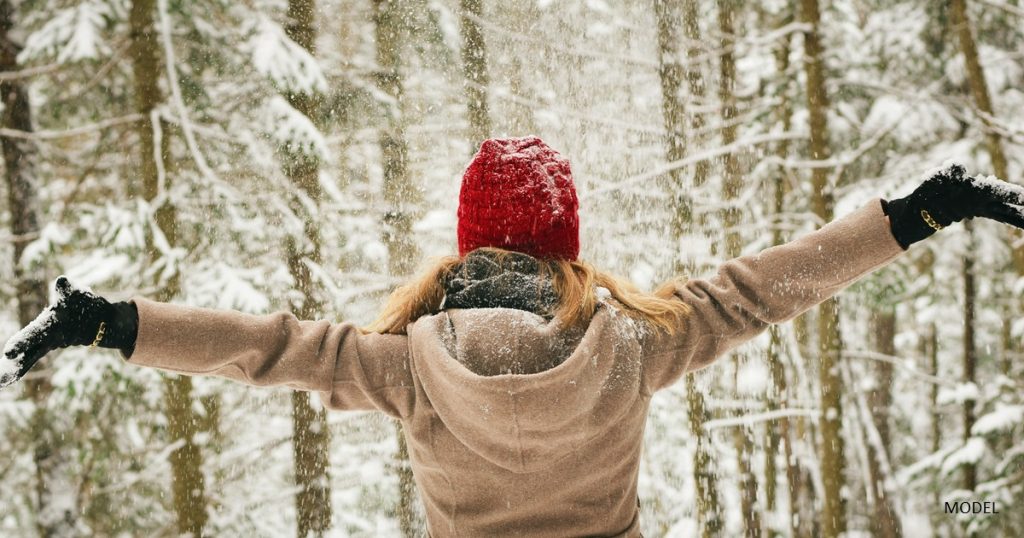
(574, 282)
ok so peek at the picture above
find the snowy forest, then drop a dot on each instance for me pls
(305, 155)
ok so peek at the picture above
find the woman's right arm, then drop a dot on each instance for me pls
(351, 370)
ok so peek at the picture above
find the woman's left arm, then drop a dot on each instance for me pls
(775, 285)
(750, 292)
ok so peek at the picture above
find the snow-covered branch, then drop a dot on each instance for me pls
(68, 133)
(754, 418)
(179, 103)
(694, 159)
(900, 362)
(30, 72)
(1011, 9)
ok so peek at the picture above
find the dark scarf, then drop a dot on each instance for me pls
(483, 280)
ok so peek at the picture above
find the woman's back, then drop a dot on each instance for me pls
(551, 453)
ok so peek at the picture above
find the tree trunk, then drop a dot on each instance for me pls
(885, 522)
(399, 194)
(1008, 349)
(671, 75)
(833, 460)
(806, 520)
(310, 434)
(983, 101)
(979, 87)
(694, 78)
(673, 111)
(733, 182)
(731, 186)
(709, 509)
(933, 393)
(993, 142)
(57, 512)
(742, 436)
(311, 441)
(932, 344)
(696, 83)
(474, 66)
(187, 481)
(970, 358)
(779, 432)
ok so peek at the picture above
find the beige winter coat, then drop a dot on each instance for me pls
(554, 453)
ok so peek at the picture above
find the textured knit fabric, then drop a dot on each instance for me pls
(554, 453)
(517, 194)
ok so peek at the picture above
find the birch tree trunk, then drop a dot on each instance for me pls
(399, 195)
(56, 507)
(187, 480)
(474, 66)
(310, 435)
(833, 459)
(671, 75)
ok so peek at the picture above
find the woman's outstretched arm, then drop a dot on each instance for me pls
(350, 369)
(772, 286)
(777, 284)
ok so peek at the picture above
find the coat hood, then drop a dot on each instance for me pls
(523, 391)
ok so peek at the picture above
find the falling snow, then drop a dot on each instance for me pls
(277, 153)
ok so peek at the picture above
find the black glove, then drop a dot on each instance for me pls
(74, 320)
(949, 196)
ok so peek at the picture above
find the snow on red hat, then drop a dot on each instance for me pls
(517, 194)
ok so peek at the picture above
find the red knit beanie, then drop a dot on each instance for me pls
(517, 194)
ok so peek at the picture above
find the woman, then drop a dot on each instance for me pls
(522, 375)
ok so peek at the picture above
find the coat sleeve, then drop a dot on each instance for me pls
(772, 286)
(350, 369)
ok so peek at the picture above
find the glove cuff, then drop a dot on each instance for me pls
(908, 226)
(122, 327)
